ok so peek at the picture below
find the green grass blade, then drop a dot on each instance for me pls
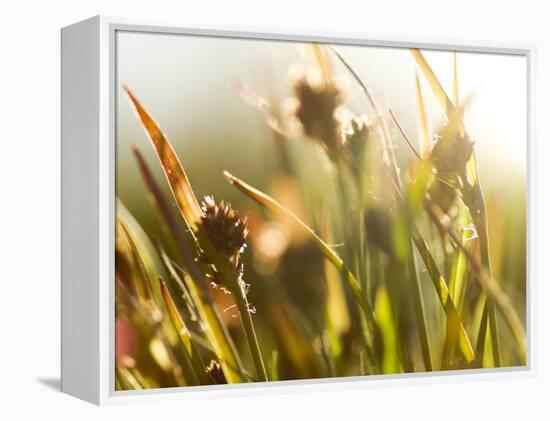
(454, 323)
(176, 318)
(189, 371)
(459, 270)
(385, 317)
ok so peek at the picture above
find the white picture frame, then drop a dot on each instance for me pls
(88, 208)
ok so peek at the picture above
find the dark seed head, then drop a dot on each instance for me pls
(317, 102)
(215, 372)
(223, 226)
(451, 150)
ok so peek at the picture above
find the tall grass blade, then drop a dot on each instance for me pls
(444, 101)
(454, 323)
(190, 374)
(167, 220)
(424, 127)
(385, 317)
(475, 199)
(176, 318)
(177, 178)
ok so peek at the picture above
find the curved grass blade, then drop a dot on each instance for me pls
(177, 178)
(166, 219)
(272, 205)
(455, 328)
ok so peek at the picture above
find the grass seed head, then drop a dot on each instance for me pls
(215, 372)
(224, 227)
(317, 101)
(451, 150)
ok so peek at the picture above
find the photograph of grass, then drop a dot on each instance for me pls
(297, 211)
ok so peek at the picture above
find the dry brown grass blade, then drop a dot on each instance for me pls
(184, 248)
(177, 178)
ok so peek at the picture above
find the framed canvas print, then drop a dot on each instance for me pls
(245, 210)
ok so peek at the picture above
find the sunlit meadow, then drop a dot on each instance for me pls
(295, 211)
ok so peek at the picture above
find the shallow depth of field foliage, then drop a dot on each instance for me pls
(399, 266)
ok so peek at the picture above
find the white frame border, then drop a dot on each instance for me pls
(108, 27)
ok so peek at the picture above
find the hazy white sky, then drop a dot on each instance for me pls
(495, 85)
